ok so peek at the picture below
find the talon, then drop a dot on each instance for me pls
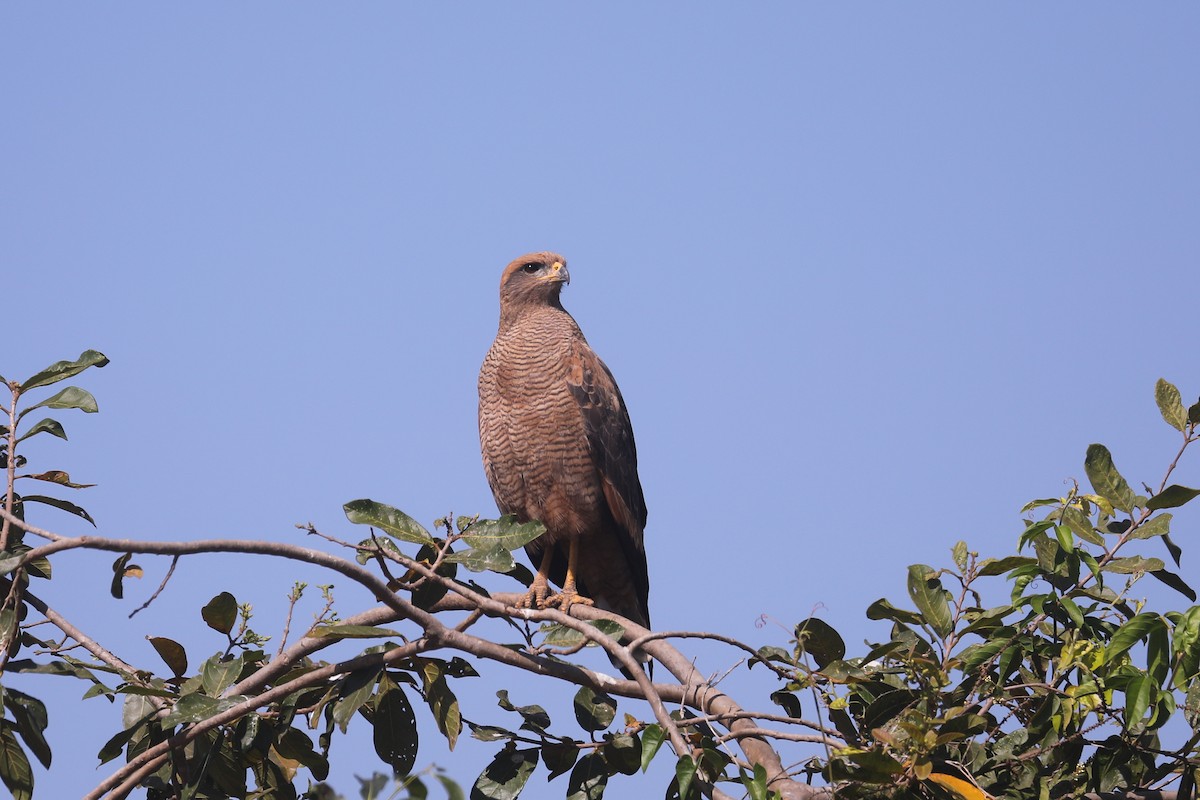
(567, 598)
(538, 594)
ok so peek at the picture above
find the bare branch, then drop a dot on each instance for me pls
(159, 590)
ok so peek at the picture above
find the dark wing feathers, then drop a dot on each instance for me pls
(610, 440)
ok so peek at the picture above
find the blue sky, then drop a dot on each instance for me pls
(870, 277)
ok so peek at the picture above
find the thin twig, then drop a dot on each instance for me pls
(159, 590)
(10, 492)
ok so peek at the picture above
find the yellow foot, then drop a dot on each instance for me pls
(538, 595)
(565, 599)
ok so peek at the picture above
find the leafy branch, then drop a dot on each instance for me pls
(1039, 671)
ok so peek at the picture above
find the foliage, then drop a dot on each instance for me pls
(1035, 674)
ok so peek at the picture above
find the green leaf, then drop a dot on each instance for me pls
(352, 632)
(50, 426)
(217, 675)
(429, 592)
(931, 599)
(354, 690)
(38, 567)
(1040, 503)
(652, 739)
(395, 730)
(869, 766)
(62, 370)
(490, 733)
(197, 707)
(120, 570)
(841, 671)
(561, 636)
(66, 667)
(534, 717)
(1073, 611)
(220, 613)
(506, 776)
(789, 702)
(296, 745)
(817, 638)
(391, 521)
(1132, 564)
(756, 784)
(1185, 644)
(768, 653)
(559, 757)
(1139, 694)
(1066, 540)
(1191, 705)
(999, 566)
(31, 720)
(1080, 525)
(594, 710)
(62, 505)
(460, 668)
(1130, 633)
(70, 397)
(113, 747)
(442, 702)
(59, 477)
(685, 771)
(624, 754)
(1172, 497)
(452, 789)
(497, 559)
(883, 609)
(1105, 479)
(15, 771)
(505, 533)
(1155, 526)
(136, 708)
(1175, 550)
(1175, 582)
(959, 554)
(1170, 404)
(984, 621)
(588, 778)
(172, 654)
(887, 706)
(1158, 654)
(10, 563)
(1033, 533)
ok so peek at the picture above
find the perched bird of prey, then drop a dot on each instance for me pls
(558, 447)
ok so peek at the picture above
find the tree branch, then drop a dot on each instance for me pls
(693, 689)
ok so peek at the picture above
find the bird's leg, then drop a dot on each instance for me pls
(569, 595)
(539, 590)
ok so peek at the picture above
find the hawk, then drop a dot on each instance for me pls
(558, 447)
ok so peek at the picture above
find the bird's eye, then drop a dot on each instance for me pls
(531, 268)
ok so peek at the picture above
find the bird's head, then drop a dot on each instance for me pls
(534, 279)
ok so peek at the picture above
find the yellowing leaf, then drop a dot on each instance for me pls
(963, 789)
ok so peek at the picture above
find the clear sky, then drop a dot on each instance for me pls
(870, 276)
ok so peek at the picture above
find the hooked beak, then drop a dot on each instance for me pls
(558, 272)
